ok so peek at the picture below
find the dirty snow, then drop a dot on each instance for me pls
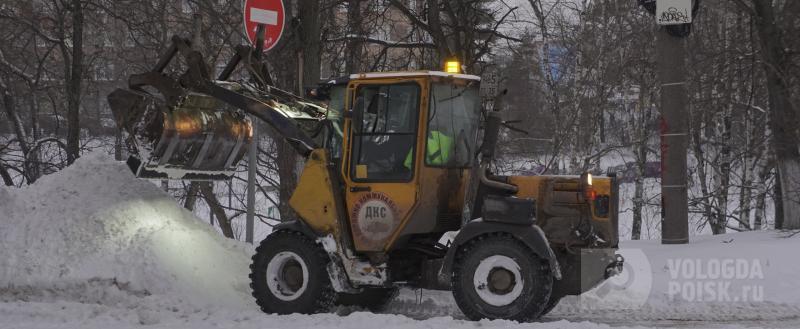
(93, 247)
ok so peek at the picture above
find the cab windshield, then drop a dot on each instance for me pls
(385, 131)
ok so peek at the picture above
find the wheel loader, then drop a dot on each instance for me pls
(396, 191)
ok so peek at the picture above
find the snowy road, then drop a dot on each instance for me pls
(64, 314)
(708, 315)
(93, 247)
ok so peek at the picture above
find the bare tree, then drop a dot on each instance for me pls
(775, 21)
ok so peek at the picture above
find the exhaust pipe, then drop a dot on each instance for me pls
(490, 136)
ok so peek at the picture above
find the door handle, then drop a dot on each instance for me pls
(360, 189)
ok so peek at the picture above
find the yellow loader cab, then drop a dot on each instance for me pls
(393, 162)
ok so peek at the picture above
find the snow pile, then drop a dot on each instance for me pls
(94, 233)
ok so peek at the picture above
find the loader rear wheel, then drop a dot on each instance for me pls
(288, 275)
(497, 277)
(374, 299)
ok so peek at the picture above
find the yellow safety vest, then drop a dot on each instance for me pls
(439, 148)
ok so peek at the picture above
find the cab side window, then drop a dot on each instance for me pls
(452, 126)
(384, 132)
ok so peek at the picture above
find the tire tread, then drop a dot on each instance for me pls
(543, 275)
(259, 290)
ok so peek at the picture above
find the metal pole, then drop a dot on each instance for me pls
(252, 164)
(671, 55)
(300, 68)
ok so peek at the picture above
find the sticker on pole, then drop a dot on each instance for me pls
(267, 12)
(673, 12)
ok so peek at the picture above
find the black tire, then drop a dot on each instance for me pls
(373, 299)
(533, 272)
(551, 304)
(311, 295)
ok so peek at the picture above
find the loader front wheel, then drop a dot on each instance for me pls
(288, 275)
(497, 277)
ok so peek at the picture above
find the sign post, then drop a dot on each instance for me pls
(252, 166)
(489, 89)
(263, 19)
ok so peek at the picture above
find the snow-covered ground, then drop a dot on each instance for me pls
(93, 247)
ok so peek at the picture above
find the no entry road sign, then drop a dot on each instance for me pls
(267, 12)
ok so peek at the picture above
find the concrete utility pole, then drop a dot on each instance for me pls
(674, 138)
(674, 18)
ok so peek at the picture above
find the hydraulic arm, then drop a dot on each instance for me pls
(192, 127)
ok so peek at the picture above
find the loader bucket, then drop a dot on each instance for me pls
(199, 139)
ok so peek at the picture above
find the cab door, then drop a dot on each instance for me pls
(380, 169)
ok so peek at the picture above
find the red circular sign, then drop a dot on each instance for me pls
(267, 12)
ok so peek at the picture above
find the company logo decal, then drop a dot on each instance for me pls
(375, 215)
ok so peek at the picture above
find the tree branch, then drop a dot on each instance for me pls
(6, 176)
(387, 44)
(498, 34)
(410, 15)
(15, 70)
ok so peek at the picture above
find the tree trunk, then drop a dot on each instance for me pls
(216, 209)
(750, 162)
(761, 202)
(723, 178)
(778, 201)
(641, 163)
(309, 45)
(761, 197)
(73, 86)
(287, 162)
(353, 53)
(34, 158)
(783, 117)
(191, 196)
(638, 205)
(437, 32)
(5, 176)
(17, 126)
(790, 188)
(745, 200)
(700, 157)
(13, 117)
(118, 145)
(308, 11)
